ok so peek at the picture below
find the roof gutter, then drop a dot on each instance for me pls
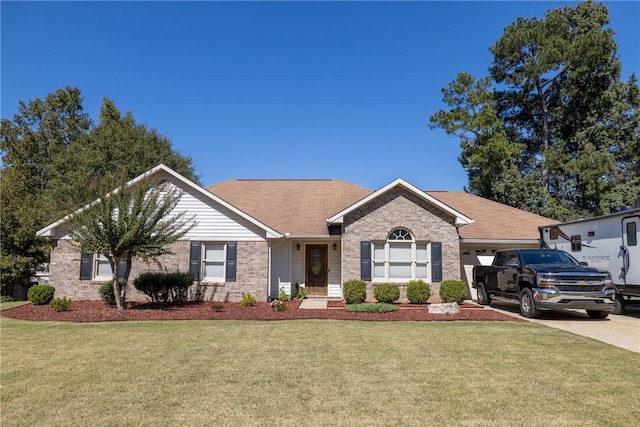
(502, 241)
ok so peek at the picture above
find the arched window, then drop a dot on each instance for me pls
(400, 258)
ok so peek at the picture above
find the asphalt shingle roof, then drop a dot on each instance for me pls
(492, 220)
(301, 207)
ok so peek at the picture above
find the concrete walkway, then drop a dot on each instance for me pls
(314, 304)
(619, 330)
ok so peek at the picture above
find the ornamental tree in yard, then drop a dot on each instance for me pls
(135, 220)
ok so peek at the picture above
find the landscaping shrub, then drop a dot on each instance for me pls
(60, 304)
(151, 285)
(418, 292)
(40, 294)
(380, 307)
(386, 293)
(453, 291)
(248, 299)
(178, 285)
(282, 296)
(354, 291)
(217, 306)
(106, 293)
(301, 292)
(278, 305)
(163, 286)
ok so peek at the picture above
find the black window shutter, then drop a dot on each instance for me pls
(365, 260)
(86, 261)
(436, 261)
(122, 268)
(232, 252)
(194, 259)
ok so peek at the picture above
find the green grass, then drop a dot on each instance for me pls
(10, 304)
(315, 373)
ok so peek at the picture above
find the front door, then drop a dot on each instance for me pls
(316, 276)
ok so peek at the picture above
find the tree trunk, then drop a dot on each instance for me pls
(545, 136)
(117, 289)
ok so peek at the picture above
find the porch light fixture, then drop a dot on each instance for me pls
(298, 247)
(335, 246)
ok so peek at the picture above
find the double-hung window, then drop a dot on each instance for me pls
(102, 268)
(214, 261)
(400, 258)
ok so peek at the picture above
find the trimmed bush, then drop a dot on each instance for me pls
(60, 304)
(354, 291)
(386, 293)
(178, 285)
(106, 293)
(164, 287)
(217, 306)
(453, 291)
(40, 294)
(248, 299)
(380, 307)
(282, 296)
(278, 305)
(301, 292)
(418, 292)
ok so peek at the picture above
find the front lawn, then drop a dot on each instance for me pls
(10, 304)
(311, 372)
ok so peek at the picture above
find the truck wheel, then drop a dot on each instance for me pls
(598, 314)
(528, 304)
(483, 297)
(619, 305)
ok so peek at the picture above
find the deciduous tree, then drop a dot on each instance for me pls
(136, 220)
(54, 159)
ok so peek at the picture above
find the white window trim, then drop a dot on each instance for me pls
(97, 259)
(414, 262)
(203, 262)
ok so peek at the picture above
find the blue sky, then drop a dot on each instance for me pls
(339, 90)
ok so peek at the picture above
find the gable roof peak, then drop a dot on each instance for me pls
(461, 219)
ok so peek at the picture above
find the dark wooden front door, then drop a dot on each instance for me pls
(316, 279)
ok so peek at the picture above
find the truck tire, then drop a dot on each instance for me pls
(528, 304)
(619, 305)
(598, 314)
(483, 296)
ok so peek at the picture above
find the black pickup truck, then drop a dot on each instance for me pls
(544, 279)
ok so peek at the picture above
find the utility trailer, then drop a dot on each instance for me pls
(608, 242)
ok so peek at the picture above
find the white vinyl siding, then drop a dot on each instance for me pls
(214, 221)
(280, 266)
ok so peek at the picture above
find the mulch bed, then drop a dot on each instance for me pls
(98, 311)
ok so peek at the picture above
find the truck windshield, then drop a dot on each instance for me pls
(548, 257)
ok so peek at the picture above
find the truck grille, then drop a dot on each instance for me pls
(579, 288)
(578, 279)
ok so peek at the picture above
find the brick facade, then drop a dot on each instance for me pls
(399, 208)
(251, 274)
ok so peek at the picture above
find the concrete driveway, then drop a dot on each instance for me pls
(621, 330)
